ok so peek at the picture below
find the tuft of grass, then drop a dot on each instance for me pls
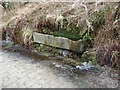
(29, 19)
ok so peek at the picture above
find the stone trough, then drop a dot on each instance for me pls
(60, 42)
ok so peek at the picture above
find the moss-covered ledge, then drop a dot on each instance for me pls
(60, 42)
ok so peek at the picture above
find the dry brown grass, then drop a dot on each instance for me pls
(107, 41)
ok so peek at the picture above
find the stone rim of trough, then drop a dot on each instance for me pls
(60, 42)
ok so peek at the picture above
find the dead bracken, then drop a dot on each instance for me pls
(97, 28)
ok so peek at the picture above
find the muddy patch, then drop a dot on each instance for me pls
(60, 64)
(93, 77)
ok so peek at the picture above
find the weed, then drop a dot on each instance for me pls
(109, 54)
(29, 19)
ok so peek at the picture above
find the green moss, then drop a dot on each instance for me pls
(45, 41)
(45, 30)
(35, 45)
(89, 56)
(46, 53)
(38, 48)
(10, 44)
(62, 44)
(29, 19)
(101, 41)
(54, 42)
(68, 35)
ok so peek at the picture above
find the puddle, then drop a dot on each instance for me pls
(69, 70)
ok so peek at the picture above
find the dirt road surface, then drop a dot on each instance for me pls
(22, 72)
